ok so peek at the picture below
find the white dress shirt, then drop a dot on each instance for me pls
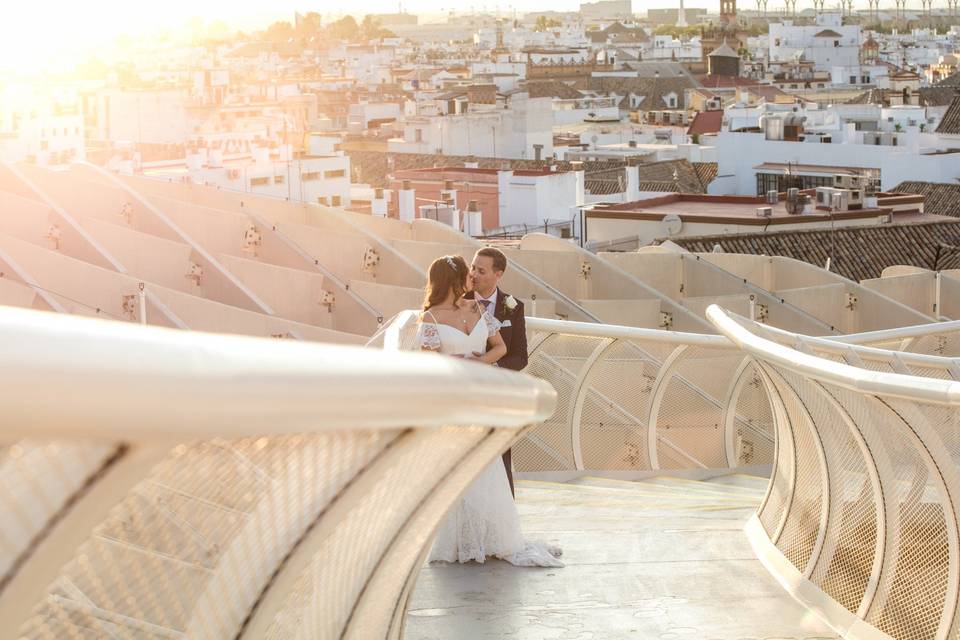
(492, 307)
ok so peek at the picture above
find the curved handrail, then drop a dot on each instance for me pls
(150, 383)
(854, 555)
(843, 375)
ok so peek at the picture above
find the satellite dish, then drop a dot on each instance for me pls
(671, 224)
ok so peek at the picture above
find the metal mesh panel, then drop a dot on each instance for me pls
(930, 372)
(690, 423)
(613, 425)
(940, 344)
(321, 602)
(188, 551)
(912, 589)
(846, 560)
(754, 438)
(772, 511)
(549, 446)
(37, 479)
(803, 519)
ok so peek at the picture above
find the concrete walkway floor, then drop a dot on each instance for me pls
(664, 559)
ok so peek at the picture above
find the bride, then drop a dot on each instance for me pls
(485, 521)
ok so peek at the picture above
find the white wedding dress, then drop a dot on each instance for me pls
(485, 521)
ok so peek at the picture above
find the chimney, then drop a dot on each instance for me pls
(632, 193)
(504, 214)
(378, 206)
(261, 155)
(406, 202)
(474, 219)
(449, 194)
(580, 176)
(194, 161)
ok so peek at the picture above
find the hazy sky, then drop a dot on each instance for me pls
(33, 32)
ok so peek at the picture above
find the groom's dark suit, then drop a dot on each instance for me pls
(513, 330)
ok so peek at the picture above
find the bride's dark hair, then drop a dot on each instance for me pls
(446, 273)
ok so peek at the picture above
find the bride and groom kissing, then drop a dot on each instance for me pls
(466, 315)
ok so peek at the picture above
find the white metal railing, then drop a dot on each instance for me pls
(860, 518)
(189, 485)
(632, 401)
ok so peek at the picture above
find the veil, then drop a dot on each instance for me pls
(399, 333)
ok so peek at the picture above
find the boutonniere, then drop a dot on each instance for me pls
(510, 303)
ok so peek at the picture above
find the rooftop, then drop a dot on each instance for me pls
(857, 253)
(737, 209)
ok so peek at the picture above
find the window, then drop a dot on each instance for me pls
(853, 79)
(776, 42)
(836, 43)
(278, 179)
(336, 201)
(322, 200)
(418, 135)
(259, 182)
(338, 173)
(311, 175)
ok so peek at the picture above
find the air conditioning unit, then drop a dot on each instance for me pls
(839, 199)
(773, 197)
(841, 181)
(764, 212)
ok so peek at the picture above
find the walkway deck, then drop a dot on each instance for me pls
(664, 559)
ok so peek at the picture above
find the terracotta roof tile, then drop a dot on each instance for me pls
(857, 253)
(706, 171)
(950, 124)
(706, 122)
(940, 198)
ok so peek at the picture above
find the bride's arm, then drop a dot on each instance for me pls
(497, 349)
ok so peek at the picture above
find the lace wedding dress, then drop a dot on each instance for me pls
(485, 521)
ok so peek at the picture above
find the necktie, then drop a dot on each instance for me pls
(486, 304)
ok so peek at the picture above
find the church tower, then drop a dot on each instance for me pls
(728, 12)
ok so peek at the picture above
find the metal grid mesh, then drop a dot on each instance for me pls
(690, 423)
(37, 479)
(804, 517)
(940, 344)
(754, 421)
(321, 602)
(772, 512)
(613, 425)
(559, 360)
(846, 560)
(912, 589)
(190, 548)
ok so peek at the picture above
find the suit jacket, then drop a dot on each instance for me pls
(513, 330)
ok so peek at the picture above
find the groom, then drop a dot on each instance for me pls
(485, 273)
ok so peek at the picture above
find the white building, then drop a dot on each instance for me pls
(900, 143)
(827, 44)
(40, 129)
(516, 126)
(323, 179)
